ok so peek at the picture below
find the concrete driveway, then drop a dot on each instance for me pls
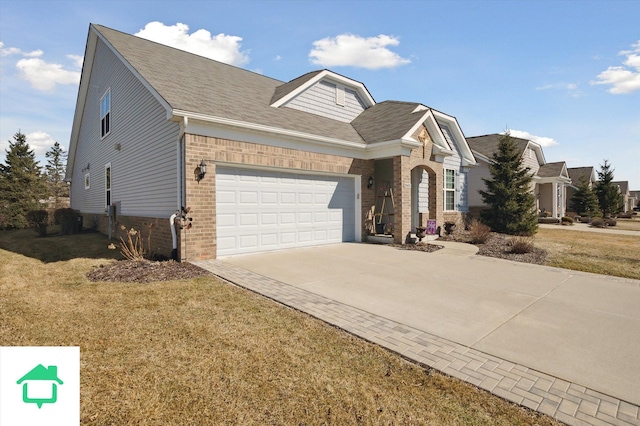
(579, 327)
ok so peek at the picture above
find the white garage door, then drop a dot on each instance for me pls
(258, 210)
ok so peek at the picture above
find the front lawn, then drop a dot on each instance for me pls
(597, 252)
(200, 351)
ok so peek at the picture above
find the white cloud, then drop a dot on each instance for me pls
(356, 51)
(46, 76)
(40, 74)
(623, 79)
(572, 89)
(77, 60)
(222, 47)
(7, 51)
(40, 142)
(541, 140)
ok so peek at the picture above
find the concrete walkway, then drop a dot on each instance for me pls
(561, 342)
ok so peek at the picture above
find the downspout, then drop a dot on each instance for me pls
(174, 236)
(172, 219)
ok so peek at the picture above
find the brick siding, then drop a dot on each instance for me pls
(200, 241)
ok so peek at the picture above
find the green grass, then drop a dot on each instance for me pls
(201, 351)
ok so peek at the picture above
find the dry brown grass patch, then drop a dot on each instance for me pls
(200, 351)
(600, 253)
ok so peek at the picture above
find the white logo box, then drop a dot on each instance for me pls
(39, 385)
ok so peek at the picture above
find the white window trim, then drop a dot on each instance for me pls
(452, 190)
(110, 189)
(108, 92)
(87, 181)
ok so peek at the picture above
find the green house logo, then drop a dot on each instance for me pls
(40, 378)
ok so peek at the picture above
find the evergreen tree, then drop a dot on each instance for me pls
(21, 184)
(509, 195)
(56, 165)
(608, 194)
(584, 201)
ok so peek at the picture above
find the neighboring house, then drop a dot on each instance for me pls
(45, 380)
(287, 164)
(576, 174)
(635, 199)
(626, 200)
(550, 180)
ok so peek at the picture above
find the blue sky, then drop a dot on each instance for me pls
(566, 73)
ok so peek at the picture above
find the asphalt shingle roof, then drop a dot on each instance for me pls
(577, 173)
(388, 120)
(551, 169)
(197, 84)
(488, 144)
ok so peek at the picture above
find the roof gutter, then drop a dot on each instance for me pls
(180, 115)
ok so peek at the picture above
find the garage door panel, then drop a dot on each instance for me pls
(258, 210)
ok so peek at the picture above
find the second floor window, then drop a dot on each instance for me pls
(105, 114)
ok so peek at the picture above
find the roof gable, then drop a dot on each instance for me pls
(624, 186)
(577, 173)
(485, 146)
(295, 87)
(555, 170)
(395, 120)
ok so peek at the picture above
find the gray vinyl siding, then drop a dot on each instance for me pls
(475, 183)
(320, 99)
(143, 171)
(423, 192)
(530, 159)
(454, 162)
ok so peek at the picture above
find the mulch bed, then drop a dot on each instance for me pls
(148, 271)
(145, 271)
(418, 247)
(498, 246)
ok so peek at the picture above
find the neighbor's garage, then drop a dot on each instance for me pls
(261, 210)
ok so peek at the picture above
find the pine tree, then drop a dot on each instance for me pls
(509, 196)
(56, 165)
(584, 201)
(21, 184)
(608, 194)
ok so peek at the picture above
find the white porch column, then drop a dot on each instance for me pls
(554, 195)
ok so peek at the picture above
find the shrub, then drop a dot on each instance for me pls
(598, 223)
(67, 219)
(449, 227)
(479, 233)
(548, 220)
(132, 248)
(521, 244)
(567, 220)
(610, 222)
(38, 219)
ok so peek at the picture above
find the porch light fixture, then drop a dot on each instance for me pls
(370, 182)
(203, 170)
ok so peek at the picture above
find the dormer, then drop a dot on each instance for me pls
(326, 94)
